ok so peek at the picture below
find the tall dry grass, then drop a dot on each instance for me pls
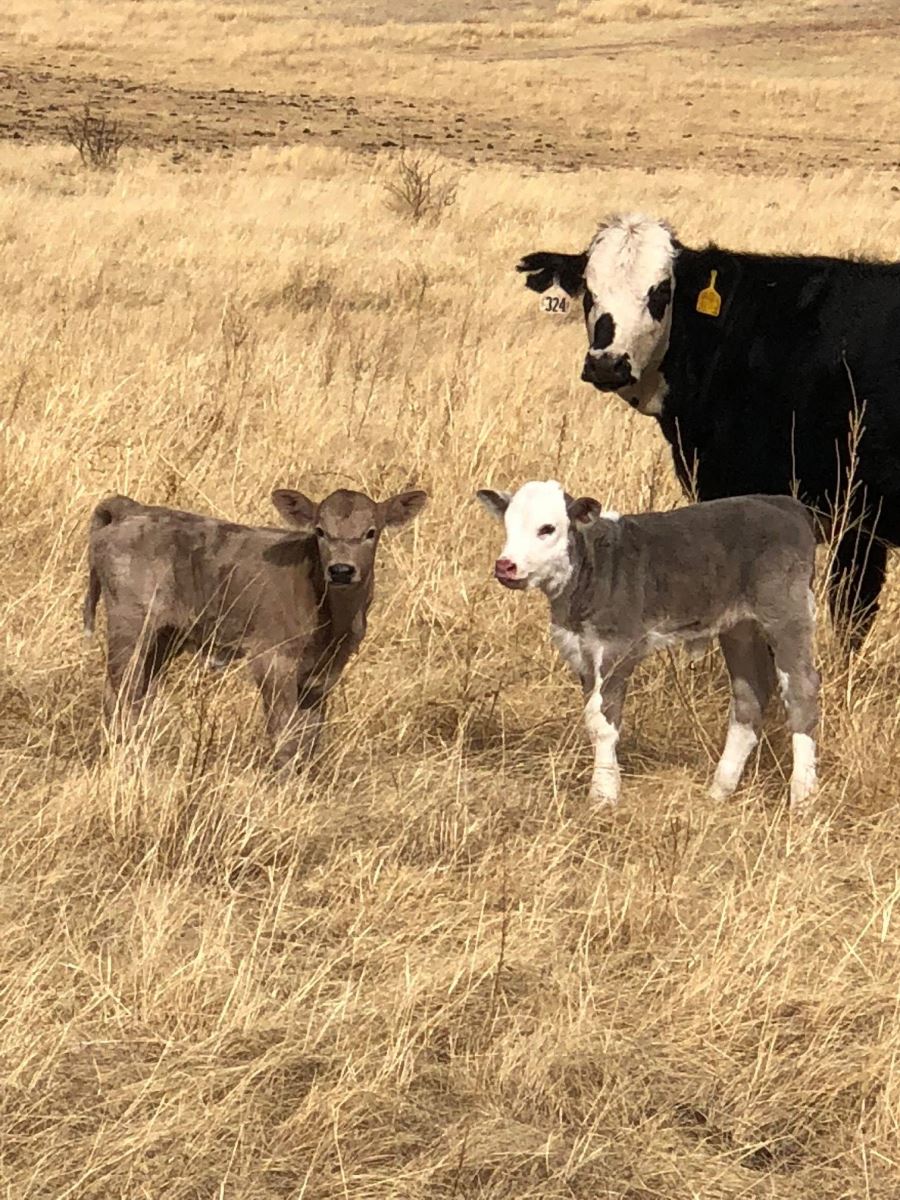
(435, 971)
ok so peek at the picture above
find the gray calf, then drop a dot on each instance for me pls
(621, 587)
(292, 603)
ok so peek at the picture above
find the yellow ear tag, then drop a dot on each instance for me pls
(709, 302)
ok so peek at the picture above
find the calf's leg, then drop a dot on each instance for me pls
(291, 728)
(602, 717)
(749, 662)
(798, 680)
(133, 671)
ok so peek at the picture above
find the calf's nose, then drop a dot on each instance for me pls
(504, 567)
(341, 573)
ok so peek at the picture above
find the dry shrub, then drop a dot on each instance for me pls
(97, 138)
(420, 187)
(598, 11)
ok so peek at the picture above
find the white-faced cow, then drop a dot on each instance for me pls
(621, 587)
(292, 603)
(767, 374)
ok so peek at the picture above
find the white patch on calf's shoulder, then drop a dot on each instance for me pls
(568, 645)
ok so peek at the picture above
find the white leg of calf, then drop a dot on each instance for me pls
(738, 746)
(803, 777)
(605, 736)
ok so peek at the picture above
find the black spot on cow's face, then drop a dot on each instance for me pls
(604, 332)
(658, 299)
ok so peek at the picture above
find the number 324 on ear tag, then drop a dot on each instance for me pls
(709, 302)
(555, 301)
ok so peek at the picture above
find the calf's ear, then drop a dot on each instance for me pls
(402, 508)
(584, 510)
(543, 270)
(495, 502)
(296, 508)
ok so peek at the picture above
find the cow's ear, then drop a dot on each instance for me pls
(544, 269)
(402, 508)
(584, 510)
(296, 508)
(496, 503)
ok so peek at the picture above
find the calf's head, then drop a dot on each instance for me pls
(347, 526)
(538, 517)
(627, 279)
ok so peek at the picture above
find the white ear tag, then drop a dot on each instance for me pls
(556, 301)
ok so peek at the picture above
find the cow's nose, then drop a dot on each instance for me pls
(341, 573)
(504, 567)
(607, 370)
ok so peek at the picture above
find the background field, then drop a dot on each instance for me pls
(436, 972)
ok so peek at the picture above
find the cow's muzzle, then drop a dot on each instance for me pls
(341, 574)
(608, 372)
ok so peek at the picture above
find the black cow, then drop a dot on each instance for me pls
(766, 373)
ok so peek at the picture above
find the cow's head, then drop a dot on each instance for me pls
(627, 279)
(347, 526)
(537, 517)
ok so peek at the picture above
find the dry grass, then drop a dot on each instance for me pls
(434, 972)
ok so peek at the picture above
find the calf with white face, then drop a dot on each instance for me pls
(621, 587)
(536, 552)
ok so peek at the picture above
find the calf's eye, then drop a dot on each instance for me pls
(546, 530)
(370, 534)
(319, 531)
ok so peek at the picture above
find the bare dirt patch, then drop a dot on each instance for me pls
(806, 95)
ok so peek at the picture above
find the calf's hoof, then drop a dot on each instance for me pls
(719, 790)
(604, 797)
(803, 791)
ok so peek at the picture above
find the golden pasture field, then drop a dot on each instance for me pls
(434, 972)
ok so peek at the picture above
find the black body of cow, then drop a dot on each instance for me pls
(800, 367)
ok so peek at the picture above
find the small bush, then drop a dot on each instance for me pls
(420, 187)
(98, 139)
(305, 291)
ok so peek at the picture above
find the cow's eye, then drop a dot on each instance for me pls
(546, 530)
(370, 534)
(319, 531)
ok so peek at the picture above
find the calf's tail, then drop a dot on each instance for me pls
(91, 600)
(107, 511)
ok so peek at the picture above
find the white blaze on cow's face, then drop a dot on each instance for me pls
(629, 281)
(536, 551)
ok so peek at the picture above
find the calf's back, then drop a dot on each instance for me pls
(214, 582)
(694, 569)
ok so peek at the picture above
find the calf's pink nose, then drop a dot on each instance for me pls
(504, 566)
